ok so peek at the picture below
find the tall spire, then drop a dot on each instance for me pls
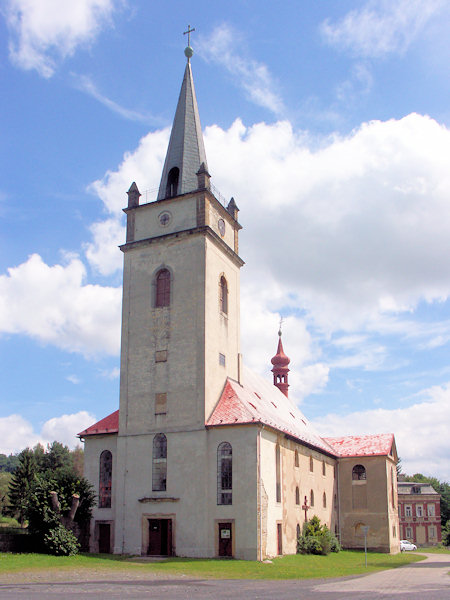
(280, 367)
(186, 152)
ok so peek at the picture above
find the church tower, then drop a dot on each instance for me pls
(180, 322)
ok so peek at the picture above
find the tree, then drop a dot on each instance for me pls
(19, 487)
(5, 479)
(317, 539)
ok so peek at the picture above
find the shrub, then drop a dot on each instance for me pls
(61, 542)
(317, 539)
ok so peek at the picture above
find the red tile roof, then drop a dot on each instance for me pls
(109, 424)
(256, 400)
(362, 445)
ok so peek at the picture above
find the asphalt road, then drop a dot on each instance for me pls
(427, 580)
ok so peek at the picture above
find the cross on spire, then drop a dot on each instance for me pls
(281, 323)
(188, 32)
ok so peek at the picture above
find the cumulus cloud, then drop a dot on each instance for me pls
(422, 430)
(46, 31)
(223, 47)
(381, 27)
(53, 304)
(16, 433)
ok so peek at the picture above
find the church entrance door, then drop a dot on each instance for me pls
(225, 540)
(159, 537)
(104, 538)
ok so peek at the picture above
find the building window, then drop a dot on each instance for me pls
(415, 489)
(223, 295)
(221, 359)
(105, 480)
(172, 182)
(335, 501)
(409, 533)
(161, 403)
(297, 496)
(224, 473)
(431, 532)
(162, 297)
(408, 510)
(159, 475)
(419, 510)
(298, 531)
(430, 510)
(278, 472)
(358, 473)
(296, 460)
(324, 468)
(324, 500)
(311, 464)
(311, 498)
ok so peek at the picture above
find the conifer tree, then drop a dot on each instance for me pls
(19, 487)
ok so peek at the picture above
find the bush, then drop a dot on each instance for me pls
(317, 539)
(61, 542)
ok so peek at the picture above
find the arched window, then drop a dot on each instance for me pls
(159, 475)
(105, 480)
(298, 530)
(224, 473)
(162, 296)
(223, 295)
(358, 473)
(172, 182)
(311, 464)
(311, 498)
(324, 468)
(324, 500)
(297, 463)
(297, 495)
(278, 472)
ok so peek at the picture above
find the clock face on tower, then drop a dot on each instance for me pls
(221, 226)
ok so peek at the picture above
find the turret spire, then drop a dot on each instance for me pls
(280, 367)
(186, 152)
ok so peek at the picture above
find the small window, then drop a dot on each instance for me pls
(324, 468)
(324, 500)
(431, 532)
(161, 404)
(419, 510)
(297, 496)
(415, 489)
(172, 182)
(221, 359)
(161, 356)
(359, 473)
(298, 531)
(223, 295)
(409, 533)
(408, 510)
(430, 510)
(105, 479)
(297, 462)
(162, 297)
(311, 464)
(224, 473)
(159, 475)
(311, 498)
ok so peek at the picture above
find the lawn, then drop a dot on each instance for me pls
(286, 567)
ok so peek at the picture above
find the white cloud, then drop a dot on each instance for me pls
(85, 84)
(46, 31)
(73, 379)
(16, 433)
(381, 27)
(53, 304)
(223, 48)
(422, 430)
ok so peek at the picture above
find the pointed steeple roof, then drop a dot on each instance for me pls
(186, 150)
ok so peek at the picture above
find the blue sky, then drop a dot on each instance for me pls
(329, 124)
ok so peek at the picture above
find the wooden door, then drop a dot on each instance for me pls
(225, 540)
(104, 538)
(159, 537)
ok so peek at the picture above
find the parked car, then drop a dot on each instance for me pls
(405, 545)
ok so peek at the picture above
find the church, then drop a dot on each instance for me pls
(205, 458)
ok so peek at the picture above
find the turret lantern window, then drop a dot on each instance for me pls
(172, 182)
(162, 295)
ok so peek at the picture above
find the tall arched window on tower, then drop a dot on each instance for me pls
(105, 480)
(172, 182)
(224, 473)
(162, 293)
(223, 295)
(159, 474)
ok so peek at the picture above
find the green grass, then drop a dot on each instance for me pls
(287, 567)
(434, 549)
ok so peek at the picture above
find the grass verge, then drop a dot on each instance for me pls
(286, 567)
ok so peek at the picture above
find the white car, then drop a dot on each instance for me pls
(405, 545)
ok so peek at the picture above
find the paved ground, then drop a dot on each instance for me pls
(427, 580)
